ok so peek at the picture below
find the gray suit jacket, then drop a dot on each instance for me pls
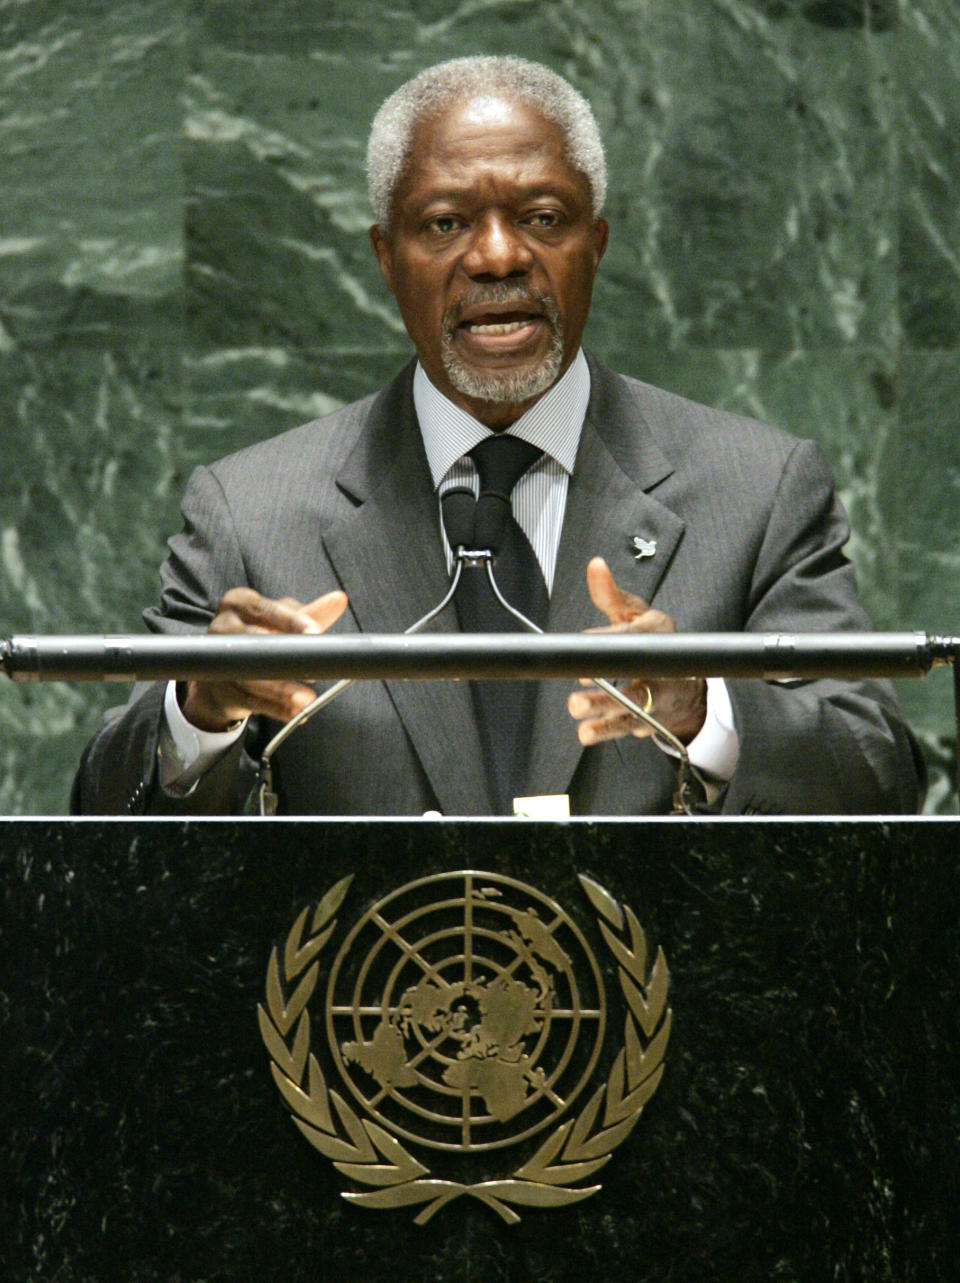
(748, 536)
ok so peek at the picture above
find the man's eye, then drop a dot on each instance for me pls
(443, 223)
(544, 218)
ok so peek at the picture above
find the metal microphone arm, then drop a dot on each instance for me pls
(690, 779)
(266, 796)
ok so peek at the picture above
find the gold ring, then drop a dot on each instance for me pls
(648, 702)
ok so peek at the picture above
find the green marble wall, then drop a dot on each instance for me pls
(184, 268)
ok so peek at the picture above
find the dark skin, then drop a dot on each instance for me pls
(487, 198)
(215, 706)
(680, 706)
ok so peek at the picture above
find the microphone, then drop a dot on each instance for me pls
(475, 529)
(458, 508)
(490, 521)
(472, 523)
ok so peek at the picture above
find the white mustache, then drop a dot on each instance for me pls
(503, 295)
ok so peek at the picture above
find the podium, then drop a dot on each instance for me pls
(803, 1123)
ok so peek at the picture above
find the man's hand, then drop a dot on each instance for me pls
(680, 706)
(214, 706)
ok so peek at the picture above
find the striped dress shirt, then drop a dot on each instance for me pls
(553, 424)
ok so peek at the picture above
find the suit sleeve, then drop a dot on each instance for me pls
(118, 772)
(815, 747)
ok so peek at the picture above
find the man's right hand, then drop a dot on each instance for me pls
(215, 706)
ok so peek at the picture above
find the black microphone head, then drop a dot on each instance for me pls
(458, 507)
(490, 522)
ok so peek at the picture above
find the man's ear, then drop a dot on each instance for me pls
(601, 230)
(381, 248)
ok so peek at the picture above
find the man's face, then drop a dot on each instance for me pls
(491, 255)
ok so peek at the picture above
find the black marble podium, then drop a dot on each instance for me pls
(806, 1127)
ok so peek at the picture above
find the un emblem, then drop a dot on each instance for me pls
(464, 1012)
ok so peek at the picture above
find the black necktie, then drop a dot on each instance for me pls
(504, 709)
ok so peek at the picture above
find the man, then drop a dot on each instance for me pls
(487, 182)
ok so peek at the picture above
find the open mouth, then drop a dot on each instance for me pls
(494, 326)
(502, 344)
(499, 323)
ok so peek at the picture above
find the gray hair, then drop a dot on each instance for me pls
(434, 89)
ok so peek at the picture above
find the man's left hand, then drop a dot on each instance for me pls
(680, 706)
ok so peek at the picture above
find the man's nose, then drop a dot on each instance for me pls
(497, 249)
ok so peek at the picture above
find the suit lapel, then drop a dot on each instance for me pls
(607, 505)
(389, 559)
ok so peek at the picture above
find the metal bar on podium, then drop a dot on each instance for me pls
(451, 656)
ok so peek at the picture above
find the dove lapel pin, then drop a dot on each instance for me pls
(643, 547)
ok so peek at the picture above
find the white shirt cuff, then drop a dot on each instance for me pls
(186, 751)
(715, 749)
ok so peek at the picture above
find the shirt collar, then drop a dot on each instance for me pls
(553, 423)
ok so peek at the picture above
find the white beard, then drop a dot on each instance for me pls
(506, 387)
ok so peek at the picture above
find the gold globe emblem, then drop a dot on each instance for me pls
(465, 1011)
